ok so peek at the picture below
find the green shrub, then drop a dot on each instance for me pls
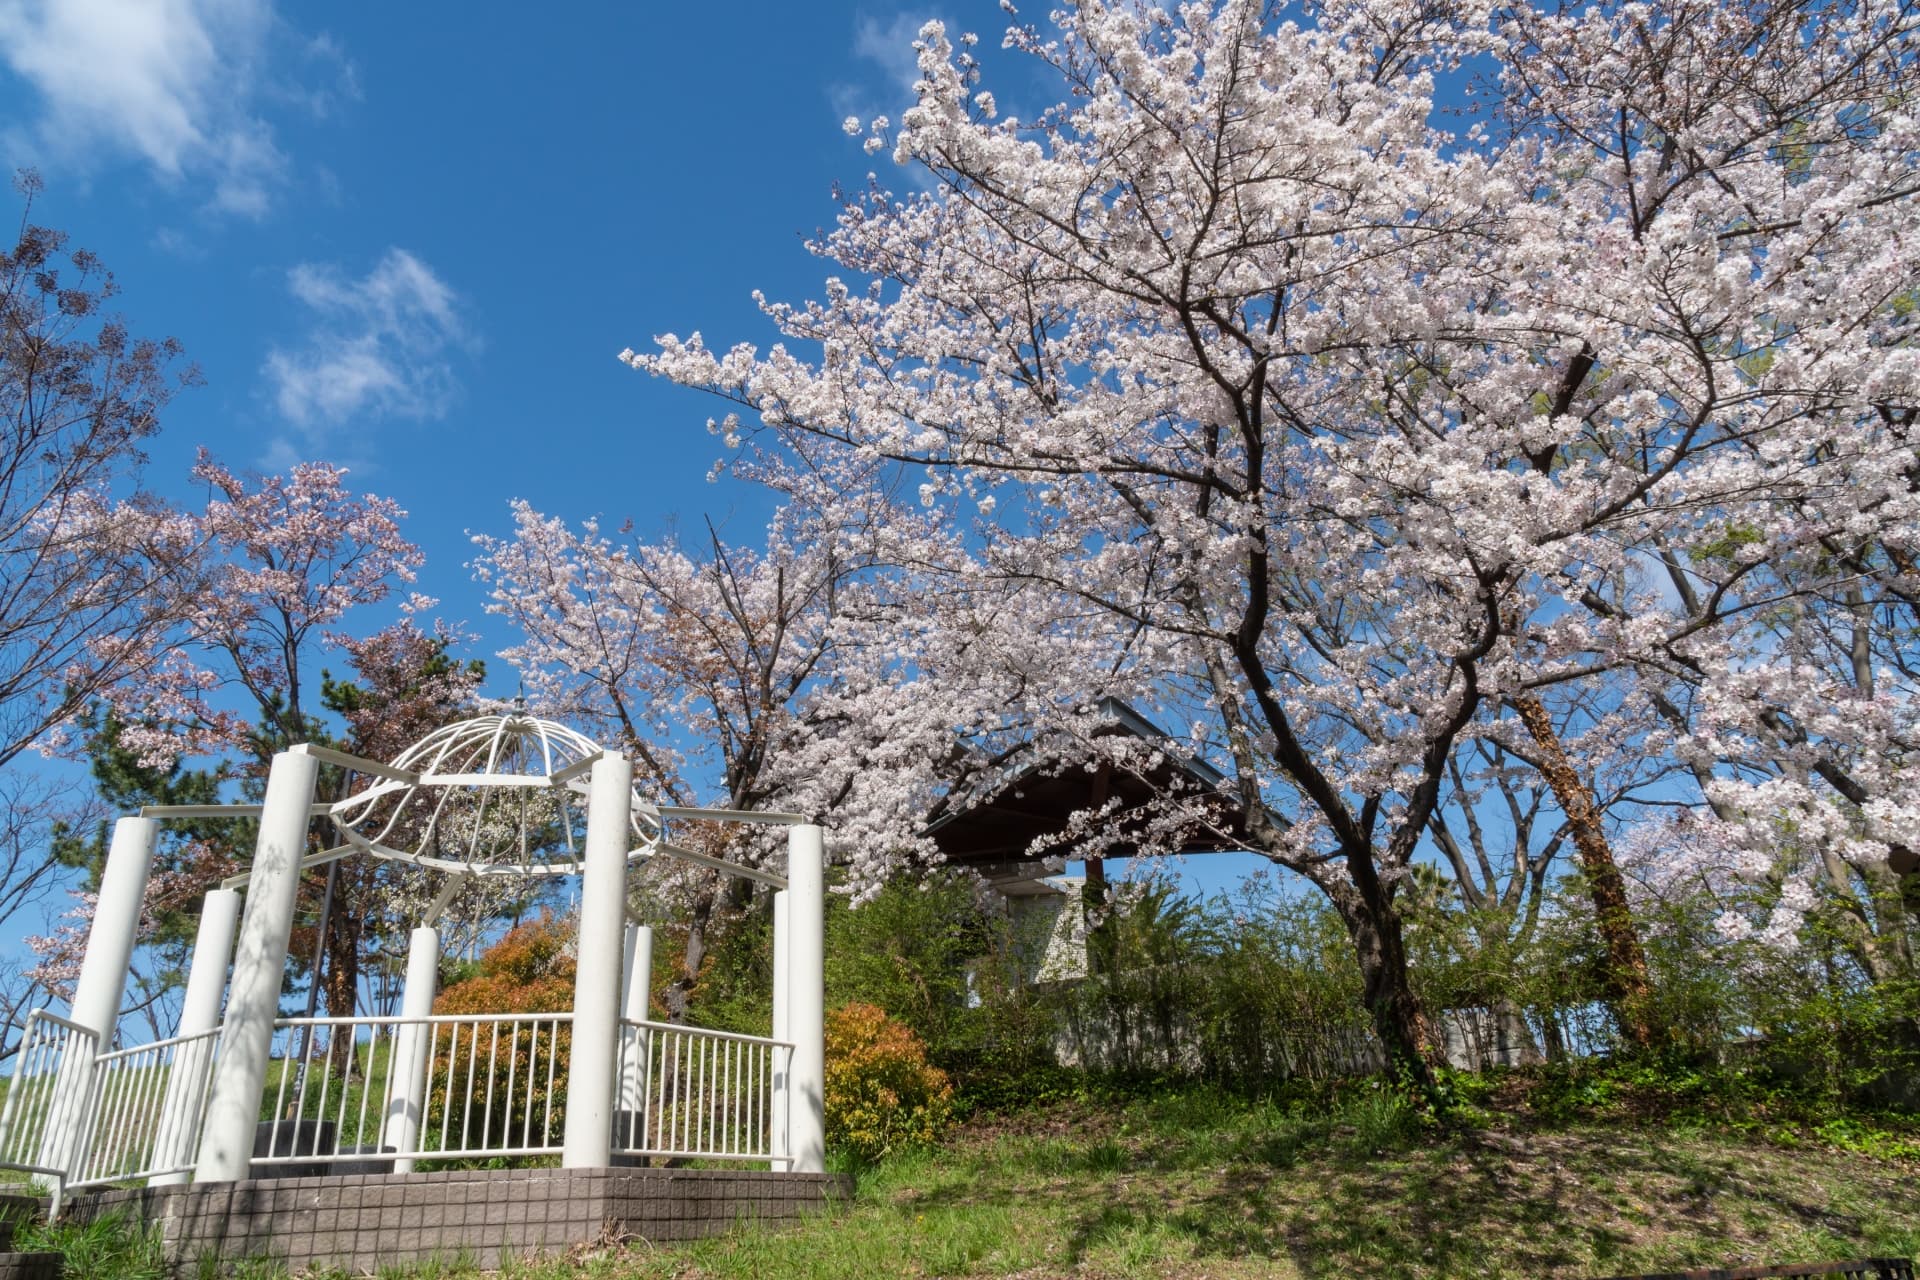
(908, 950)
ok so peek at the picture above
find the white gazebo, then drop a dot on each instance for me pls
(239, 1091)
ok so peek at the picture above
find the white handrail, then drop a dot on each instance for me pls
(146, 1105)
(48, 1111)
(694, 1092)
(705, 1032)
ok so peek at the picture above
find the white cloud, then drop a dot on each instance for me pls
(890, 45)
(380, 345)
(174, 83)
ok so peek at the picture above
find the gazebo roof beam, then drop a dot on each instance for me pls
(358, 764)
(735, 815)
(307, 863)
(168, 811)
(720, 864)
(442, 900)
(578, 768)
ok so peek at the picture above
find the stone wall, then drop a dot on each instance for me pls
(485, 1216)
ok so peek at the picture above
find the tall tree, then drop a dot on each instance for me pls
(743, 678)
(1340, 425)
(90, 573)
(287, 559)
(406, 683)
(93, 571)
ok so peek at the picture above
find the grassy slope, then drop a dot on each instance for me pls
(1193, 1185)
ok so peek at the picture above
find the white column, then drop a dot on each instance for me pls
(116, 922)
(806, 1000)
(226, 1143)
(412, 1049)
(636, 1043)
(199, 1013)
(596, 993)
(103, 980)
(777, 1108)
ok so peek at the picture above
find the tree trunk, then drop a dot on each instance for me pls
(1627, 986)
(699, 918)
(1386, 988)
(340, 984)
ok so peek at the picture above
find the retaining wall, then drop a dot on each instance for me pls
(485, 1216)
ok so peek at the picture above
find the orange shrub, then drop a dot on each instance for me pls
(527, 971)
(530, 970)
(882, 1094)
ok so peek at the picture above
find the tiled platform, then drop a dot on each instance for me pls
(362, 1222)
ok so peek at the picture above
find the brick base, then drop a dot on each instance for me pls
(484, 1216)
(32, 1266)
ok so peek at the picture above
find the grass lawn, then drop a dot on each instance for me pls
(1194, 1184)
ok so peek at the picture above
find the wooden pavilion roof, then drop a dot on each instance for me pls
(993, 834)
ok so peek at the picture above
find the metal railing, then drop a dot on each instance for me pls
(385, 1090)
(44, 1123)
(380, 1093)
(689, 1092)
(145, 1106)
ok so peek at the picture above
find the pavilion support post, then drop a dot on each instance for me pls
(412, 1049)
(806, 1000)
(239, 1079)
(97, 992)
(782, 1058)
(596, 1002)
(199, 1014)
(636, 1043)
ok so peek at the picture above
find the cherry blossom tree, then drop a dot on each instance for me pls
(1339, 420)
(743, 678)
(1798, 724)
(288, 558)
(90, 574)
(287, 561)
(93, 571)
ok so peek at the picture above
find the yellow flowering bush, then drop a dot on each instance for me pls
(882, 1093)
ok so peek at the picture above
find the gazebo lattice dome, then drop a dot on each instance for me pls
(494, 795)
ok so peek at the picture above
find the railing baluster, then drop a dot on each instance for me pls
(279, 1106)
(553, 1059)
(366, 1088)
(513, 1069)
(486, 1114)
(326, 1092)
(473, 1064)
(446, 1105)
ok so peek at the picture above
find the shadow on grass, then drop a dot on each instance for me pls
(1570, 1204)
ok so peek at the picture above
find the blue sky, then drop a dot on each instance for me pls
(412, 238)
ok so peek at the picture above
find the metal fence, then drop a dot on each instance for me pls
(689, 1092)
(44, 1122)
(380, 1091)
(377, 1094)
(145, 1106)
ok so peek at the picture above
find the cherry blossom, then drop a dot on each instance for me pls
(1333, 429)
